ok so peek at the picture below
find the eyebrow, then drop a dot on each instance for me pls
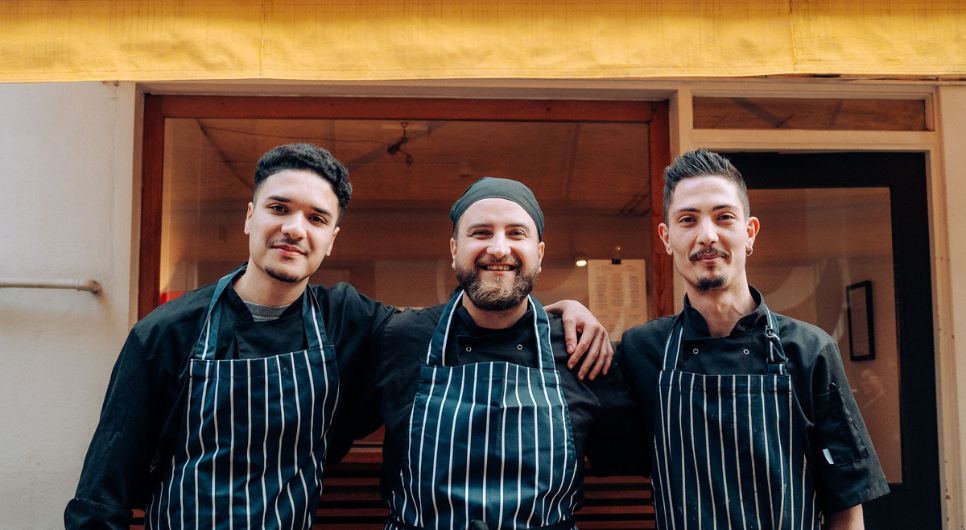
(715, 209)
(286, 200)
(517, 224)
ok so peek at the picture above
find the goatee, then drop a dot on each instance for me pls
(709, 284)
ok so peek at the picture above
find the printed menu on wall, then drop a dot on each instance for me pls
(618, 293)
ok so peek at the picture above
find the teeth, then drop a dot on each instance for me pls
(498, 268)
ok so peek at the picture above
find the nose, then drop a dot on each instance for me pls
(294, 227)
(707, 232)
(499, 246)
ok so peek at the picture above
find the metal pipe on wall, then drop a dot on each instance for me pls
(92, 286)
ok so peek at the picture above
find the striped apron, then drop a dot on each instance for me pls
(254, 436)
(490, 444)
(726, 455)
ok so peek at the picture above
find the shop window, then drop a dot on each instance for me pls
(810, 114)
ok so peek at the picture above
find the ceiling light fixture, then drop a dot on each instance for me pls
(397, 147)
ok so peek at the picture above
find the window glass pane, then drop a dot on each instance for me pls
(813, 245)
(591, 180)
(814, 114)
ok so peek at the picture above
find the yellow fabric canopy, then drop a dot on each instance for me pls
(141, 40)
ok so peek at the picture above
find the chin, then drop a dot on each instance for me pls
(284, 275)
(712, 283)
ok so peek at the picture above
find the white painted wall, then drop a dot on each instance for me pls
(66, 197)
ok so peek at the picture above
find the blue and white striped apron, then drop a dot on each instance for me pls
(489, 443)
(255, 434)
(726, 453)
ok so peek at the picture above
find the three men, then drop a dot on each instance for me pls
(222, 405)
(485, 425)
(754, 424)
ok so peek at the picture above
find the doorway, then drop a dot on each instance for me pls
(843, 246)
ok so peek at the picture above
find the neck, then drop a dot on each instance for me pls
(722, 309)
(256, 287)
(495, 319)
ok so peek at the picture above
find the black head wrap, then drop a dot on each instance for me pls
(494, 188)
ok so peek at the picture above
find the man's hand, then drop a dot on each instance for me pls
(850, 519)
(594, 340)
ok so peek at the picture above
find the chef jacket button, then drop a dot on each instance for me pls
(519, 346)
(745, 351)
(468, 349)
(695, 351)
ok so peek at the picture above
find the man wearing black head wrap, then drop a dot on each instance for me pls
(490, 188)
(486, 426)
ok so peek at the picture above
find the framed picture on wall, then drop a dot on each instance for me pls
(861, 330)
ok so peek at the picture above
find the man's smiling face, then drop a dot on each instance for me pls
(496, 254)
(708, 233)
(291, 226)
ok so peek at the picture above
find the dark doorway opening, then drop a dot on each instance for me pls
(914, 501)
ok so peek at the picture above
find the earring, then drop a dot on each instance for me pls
(749, 250)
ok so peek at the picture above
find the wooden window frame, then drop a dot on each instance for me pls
(158, 108)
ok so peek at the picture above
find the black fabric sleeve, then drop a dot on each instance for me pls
(615, 444)
(354, 323)
(640, 354)
(359, 415)
(403, 351)
(846, 468)
(116, 476)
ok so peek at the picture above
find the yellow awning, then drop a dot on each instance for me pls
(77, 40)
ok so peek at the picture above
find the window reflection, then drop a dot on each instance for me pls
(813, 244)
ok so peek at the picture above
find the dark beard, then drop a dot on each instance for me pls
(488, 296)
(709, 284)
(282, 277)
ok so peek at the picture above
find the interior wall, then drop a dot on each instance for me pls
(65, 212)
(190, 162)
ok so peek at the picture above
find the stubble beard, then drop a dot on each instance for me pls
(496, 295)
(279, 274)
(282, 276)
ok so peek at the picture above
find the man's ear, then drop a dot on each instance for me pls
(335, 232)
(248, 219)
(662, 230)
(753, 227)
(540, 250)
(452, 251)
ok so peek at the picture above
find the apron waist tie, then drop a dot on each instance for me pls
(567, 524)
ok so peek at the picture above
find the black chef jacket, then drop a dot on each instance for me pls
(604, 418)
(823, 398)
(142, 412)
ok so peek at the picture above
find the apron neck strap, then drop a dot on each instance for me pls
(776, 354)
(436, 355)
(672, 346)
(207, 344)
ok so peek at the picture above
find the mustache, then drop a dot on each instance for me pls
(287, 241)
(505, 260)
(708, 253)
